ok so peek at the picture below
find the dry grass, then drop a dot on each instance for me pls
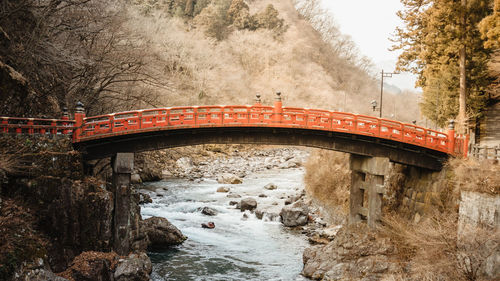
(8, 163)
(473, 175)
(327, 181)
(435, 251)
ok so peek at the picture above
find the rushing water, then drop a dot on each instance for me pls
(238, 248)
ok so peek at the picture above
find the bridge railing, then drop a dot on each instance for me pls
(258, 115)
(32, 126)
(136, 121)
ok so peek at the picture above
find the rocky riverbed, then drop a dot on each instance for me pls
(245, 214)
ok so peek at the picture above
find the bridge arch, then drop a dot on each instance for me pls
(407, 154)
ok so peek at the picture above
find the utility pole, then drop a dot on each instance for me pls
(388, 75)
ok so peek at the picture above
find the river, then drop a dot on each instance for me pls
(240, 247)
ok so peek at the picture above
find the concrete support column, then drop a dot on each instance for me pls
(367, 188)
(123, 164)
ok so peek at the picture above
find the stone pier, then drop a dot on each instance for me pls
(123, 164)
(367, 188)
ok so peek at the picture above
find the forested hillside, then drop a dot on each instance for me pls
(117, 55)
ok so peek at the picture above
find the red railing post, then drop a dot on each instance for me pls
(5, 124)
(451, 137)
(30, 126)
(53, 126)
(278, 109)
(79, 118)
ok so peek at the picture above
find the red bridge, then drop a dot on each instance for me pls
(141, 130)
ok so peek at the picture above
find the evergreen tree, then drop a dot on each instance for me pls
(431, 41)
(490, 28)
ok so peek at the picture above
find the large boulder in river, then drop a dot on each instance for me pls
(294, 216)
(161, 233)
(227, 178)
(270, 186)
(209, 211)
(248, 204)
(223, 189)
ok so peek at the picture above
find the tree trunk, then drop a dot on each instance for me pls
(189, 11)
(462, 115)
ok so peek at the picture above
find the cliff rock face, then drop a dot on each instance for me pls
(60, 213)
(76, 215)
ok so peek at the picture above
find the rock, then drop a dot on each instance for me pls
(209, 225)
(227, 178)
(232, 203)
(355, 254)
(185, 164)
(262, 195)
(490, 268)
(245, 216)
(161, 233)
(223, 189)
(233, 195)
(259, 214)
(208, 211)
(135, 267)
(270, 186)
(93, 266)
(135, 178)
(145, 198)
(166, 173)
(316, 239)
(275, 203)
(36, 271)
(294, 216)
(289, 164)
(248, 204)
(331, 232)
(290, 200)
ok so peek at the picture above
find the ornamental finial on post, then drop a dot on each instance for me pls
(79, 107)
(278, 96)
(257, 99)
(65, 113)
(451, 124)
(451, 137)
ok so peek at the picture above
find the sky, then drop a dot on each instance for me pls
(370, 23)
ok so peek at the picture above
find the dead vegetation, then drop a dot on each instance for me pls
(327, 180)
(435, 251)
(474, 175)
(441, 247)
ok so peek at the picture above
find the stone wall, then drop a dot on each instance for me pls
(479, 209)
(422, 191)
